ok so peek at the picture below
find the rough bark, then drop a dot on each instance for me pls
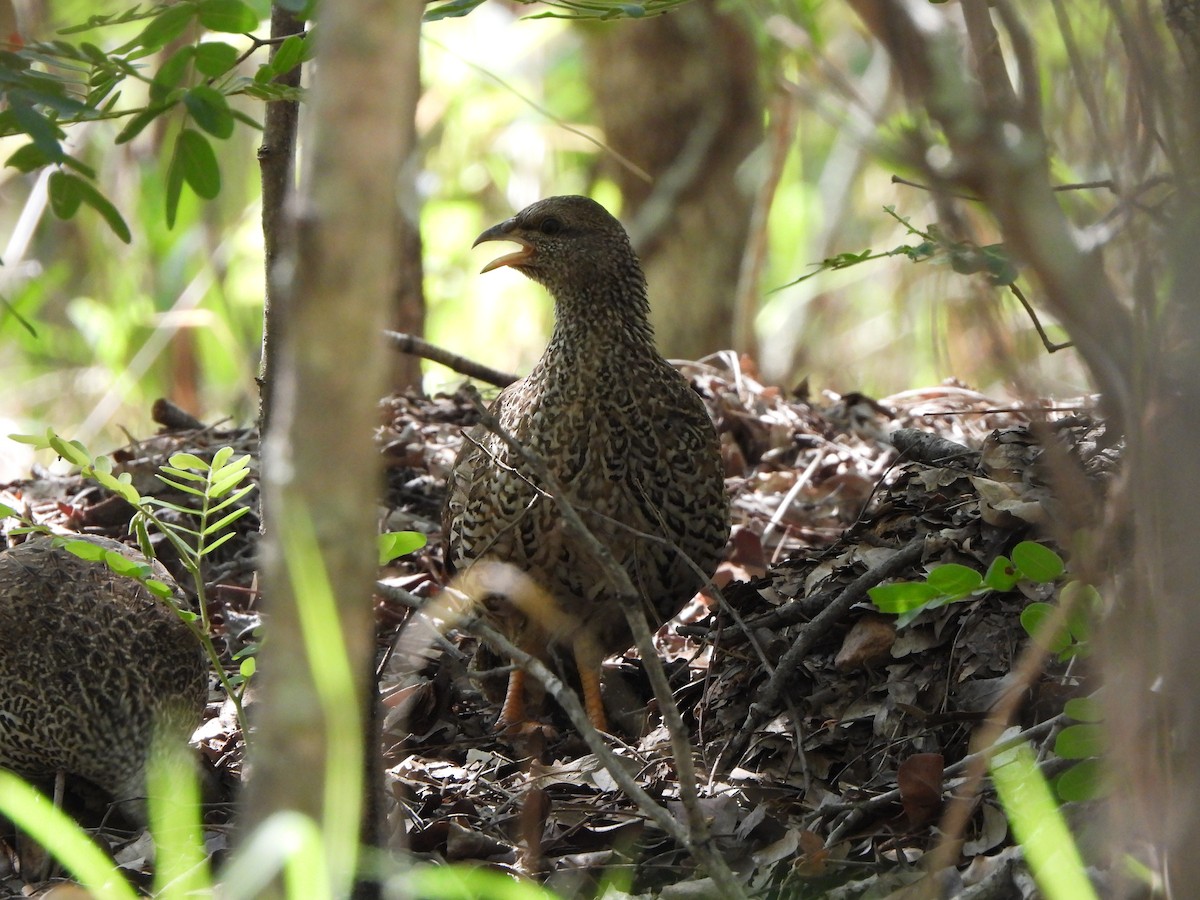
(410, 295)
(276, 162)
(679, 96)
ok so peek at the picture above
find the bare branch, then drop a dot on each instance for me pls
(410, 343)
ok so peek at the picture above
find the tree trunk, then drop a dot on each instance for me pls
(276, 163)
(320, 467)
(678, 95)
(410, 294)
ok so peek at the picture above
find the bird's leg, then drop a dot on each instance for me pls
(587, 661)
(513, 711)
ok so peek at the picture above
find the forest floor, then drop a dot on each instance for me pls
(827, 741)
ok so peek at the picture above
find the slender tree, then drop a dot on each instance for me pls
(320, 467)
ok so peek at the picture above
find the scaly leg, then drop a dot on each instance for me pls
(513, 711)
(587, 662)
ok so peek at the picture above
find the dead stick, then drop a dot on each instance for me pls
(415, 346)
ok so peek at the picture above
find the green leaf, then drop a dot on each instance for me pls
(122, 486)
(228, 520)
(398, 543)
(36, 441)
(40, 129)
(82, 168)
(7, 511)
(215, 58)
(137, 124)
(223, 470)
(174, 184)
(232, 16)
(1001, 575)
(1033, 618)
(95, 54)
(1084, 709)
(101, 204)
(179, 486)
(104, 94)
(1083, 781)
(64, 194)
(183, 465)
(159, 589)
(453, 9)
(199, 163)
(209, 109)
(72, 451)
(123, 565)
(188, 461)
(902, 596)
(248, 667)
(227, 483)
(954, 580)
(232, 498)
(30, 529)
(221, 457)
(28, 158)
(143, 535)
(1081, 741)
(164, 27)
(209, 548)
(83, 549)
(288, 55)
(171, 74)
(176, 527)
(1037, 562)
(135, 14)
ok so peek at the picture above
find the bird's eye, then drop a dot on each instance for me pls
(551, 226)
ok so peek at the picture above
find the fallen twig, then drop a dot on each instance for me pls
(410, 343)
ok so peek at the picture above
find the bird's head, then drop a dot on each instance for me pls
(568, 244)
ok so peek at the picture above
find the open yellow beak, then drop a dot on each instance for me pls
(503, 232)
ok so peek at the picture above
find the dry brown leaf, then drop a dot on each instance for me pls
(920, 781)
(868, 642)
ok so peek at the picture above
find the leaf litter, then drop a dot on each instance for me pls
(822, 773)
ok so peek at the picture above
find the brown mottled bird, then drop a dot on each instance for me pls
(621, 431)
(90, 666)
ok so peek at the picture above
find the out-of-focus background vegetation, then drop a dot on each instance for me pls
(514, 109)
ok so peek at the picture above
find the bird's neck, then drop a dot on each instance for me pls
(596, 326)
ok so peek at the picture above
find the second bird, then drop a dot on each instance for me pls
(625, 436)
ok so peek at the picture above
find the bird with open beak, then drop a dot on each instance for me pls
(629, 444)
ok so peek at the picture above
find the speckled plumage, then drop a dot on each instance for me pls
(621, 430)
(90, 664)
